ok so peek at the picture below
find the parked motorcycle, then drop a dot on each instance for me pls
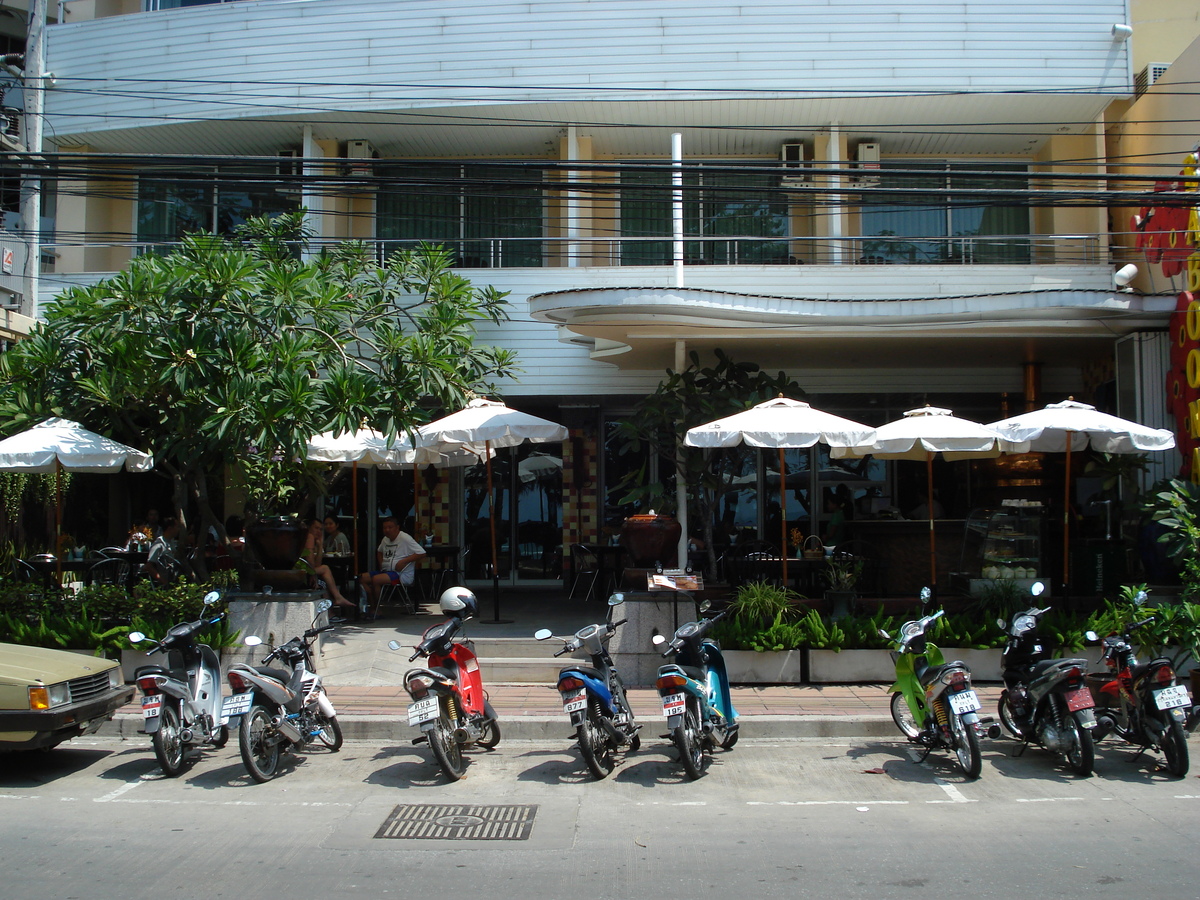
(1045, 701)
(284, 710)
(449, 704)
(695, 693)
(594, 697)
(1149, 709)
(933, 703)
(182, 706)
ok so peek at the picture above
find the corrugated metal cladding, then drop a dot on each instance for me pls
(320, 55)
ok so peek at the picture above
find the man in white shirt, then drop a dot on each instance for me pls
(395, 561)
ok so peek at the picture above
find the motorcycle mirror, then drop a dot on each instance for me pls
(1140, 598)
(1037, 588)
(543, 634)
(616, 599)
(1000, 623)
(324, 605)
(212, 597)
(252, 640)
(1091, 637)
(136, 637)
(926, 593)
(658, 640)
(393, 645)
(705, 605)
(883, 634)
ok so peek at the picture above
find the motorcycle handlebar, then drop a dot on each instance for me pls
(615, 624)
(1145, 621)
(562, 651)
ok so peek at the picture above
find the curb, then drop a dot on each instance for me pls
(395, 729)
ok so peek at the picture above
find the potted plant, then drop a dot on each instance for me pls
(766, 628)
(841, 574)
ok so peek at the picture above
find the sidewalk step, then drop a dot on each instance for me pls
(517, 670)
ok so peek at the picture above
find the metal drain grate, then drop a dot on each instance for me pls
(459, 822)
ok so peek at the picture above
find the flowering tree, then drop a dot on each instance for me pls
(229, 352)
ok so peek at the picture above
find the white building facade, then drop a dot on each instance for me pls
(893, 203)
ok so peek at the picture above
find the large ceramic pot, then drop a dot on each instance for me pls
(276, 542)
(651, 539)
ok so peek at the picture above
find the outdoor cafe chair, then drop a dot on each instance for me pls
(585, 570)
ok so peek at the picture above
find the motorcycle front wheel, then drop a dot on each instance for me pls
(688, 739)
(168, 744)
(331, 732)
(258, 745)
(596, 747)
(446, 750)
(966, 747)
(489, 732)
(903, 717)
(1175, 749)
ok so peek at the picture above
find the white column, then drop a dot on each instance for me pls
(572, 199)
(677, 205)
(681, 487)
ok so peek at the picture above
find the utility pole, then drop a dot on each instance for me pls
(31, 179)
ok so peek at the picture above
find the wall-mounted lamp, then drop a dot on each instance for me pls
(1122, 32)
(1123, 276)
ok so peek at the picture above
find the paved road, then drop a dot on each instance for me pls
(813, 817)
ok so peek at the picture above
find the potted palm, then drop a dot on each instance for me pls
(841, 574)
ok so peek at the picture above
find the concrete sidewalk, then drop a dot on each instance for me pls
(534, 711)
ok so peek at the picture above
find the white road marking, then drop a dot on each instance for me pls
(1045, 799)
(858, 803)
(125, 788)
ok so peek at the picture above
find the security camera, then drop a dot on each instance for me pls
(1124, 275)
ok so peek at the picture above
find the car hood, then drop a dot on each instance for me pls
(29, 665)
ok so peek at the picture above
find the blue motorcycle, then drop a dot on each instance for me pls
(695, 693)
(594, 696)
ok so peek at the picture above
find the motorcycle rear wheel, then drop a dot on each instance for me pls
(966, 747)
(1008, 717)
(596, 747)
(1081, 757)
(168, 745)
(1175, 749)
(688, 739)
(331, 732)
(903, 717)
(259, 748)
(446, 750)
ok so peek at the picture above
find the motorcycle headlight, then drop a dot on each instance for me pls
(1022, 624)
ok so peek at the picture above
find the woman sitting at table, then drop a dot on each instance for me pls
(320, 575)
(336, 543)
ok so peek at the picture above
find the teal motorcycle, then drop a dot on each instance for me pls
(933, 703)
(695, 693)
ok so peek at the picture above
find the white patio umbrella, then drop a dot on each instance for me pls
(925, 433)
(1069, 426)
(781, 424)
(58, 444)
(367, 447)
(482, 428)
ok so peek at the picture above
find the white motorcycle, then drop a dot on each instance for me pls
(286, 710)
(182, 706)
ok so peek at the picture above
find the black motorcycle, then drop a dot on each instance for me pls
(1046, 701)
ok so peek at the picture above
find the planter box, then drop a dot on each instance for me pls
(858, 666)
(769, 667)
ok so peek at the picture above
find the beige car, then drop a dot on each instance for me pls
(51, 696)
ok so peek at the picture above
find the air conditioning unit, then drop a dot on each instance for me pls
(1149, 76)
(867, 156)
(795, 159)
(360, 150)
(289, 163)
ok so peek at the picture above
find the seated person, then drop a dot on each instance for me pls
(319, 573)
(395, 560)
(336, 543)
(162, 565)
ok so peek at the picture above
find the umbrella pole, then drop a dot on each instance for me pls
(1067, 522)
(783, 517)
(354, 508)
(932, 535)
(492, 522)
(58, 518)
(416, 501)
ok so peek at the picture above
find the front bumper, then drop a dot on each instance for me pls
(26, 729)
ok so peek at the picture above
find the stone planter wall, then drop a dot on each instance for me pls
(770, 667)
(866, 666)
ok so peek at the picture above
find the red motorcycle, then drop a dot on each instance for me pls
(449, 704)
(1149, 710)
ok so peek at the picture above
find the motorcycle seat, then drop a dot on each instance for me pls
(930, 674)
(278, 674)
(584, 670)
(149, 670)
(694, 673)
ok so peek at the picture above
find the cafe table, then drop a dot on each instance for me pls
(48, 567)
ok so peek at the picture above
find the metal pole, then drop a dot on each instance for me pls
(31, 182)
(677, 205)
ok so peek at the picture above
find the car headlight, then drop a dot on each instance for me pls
(49, 696)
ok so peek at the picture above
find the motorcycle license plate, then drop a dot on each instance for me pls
(1079, 698)
(236, 705)
(964, 702)
(151, 706)
(674, 704)
(574, 701)
(423, 711)
(1171, 697)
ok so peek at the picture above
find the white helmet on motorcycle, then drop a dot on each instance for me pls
(460, 602)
